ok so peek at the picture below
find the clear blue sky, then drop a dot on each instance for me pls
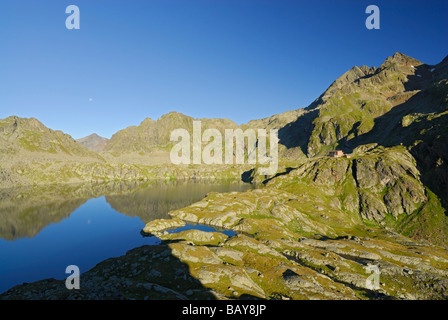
(232, 59)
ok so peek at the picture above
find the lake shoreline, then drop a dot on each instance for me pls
(31, 217)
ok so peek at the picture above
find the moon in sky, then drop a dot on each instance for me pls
(90, 99)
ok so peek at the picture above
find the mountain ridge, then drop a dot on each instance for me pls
(388, 105)
(94, 142)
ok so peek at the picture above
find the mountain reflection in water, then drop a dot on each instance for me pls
(44, 229)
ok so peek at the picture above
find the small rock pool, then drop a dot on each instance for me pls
(202, 227)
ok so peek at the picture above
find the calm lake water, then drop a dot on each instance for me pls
(45, 229)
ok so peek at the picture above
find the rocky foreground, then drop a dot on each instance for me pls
(325, 229)
(202, 265)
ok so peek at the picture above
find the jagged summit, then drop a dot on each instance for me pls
(93, 142)
(173, 114)
(155, 134)
(94, 135)
(312, 227)
(402, 59)
(363, 105)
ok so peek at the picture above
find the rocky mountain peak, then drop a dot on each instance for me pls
(147, 121)
(402, 60)
(173, 115)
